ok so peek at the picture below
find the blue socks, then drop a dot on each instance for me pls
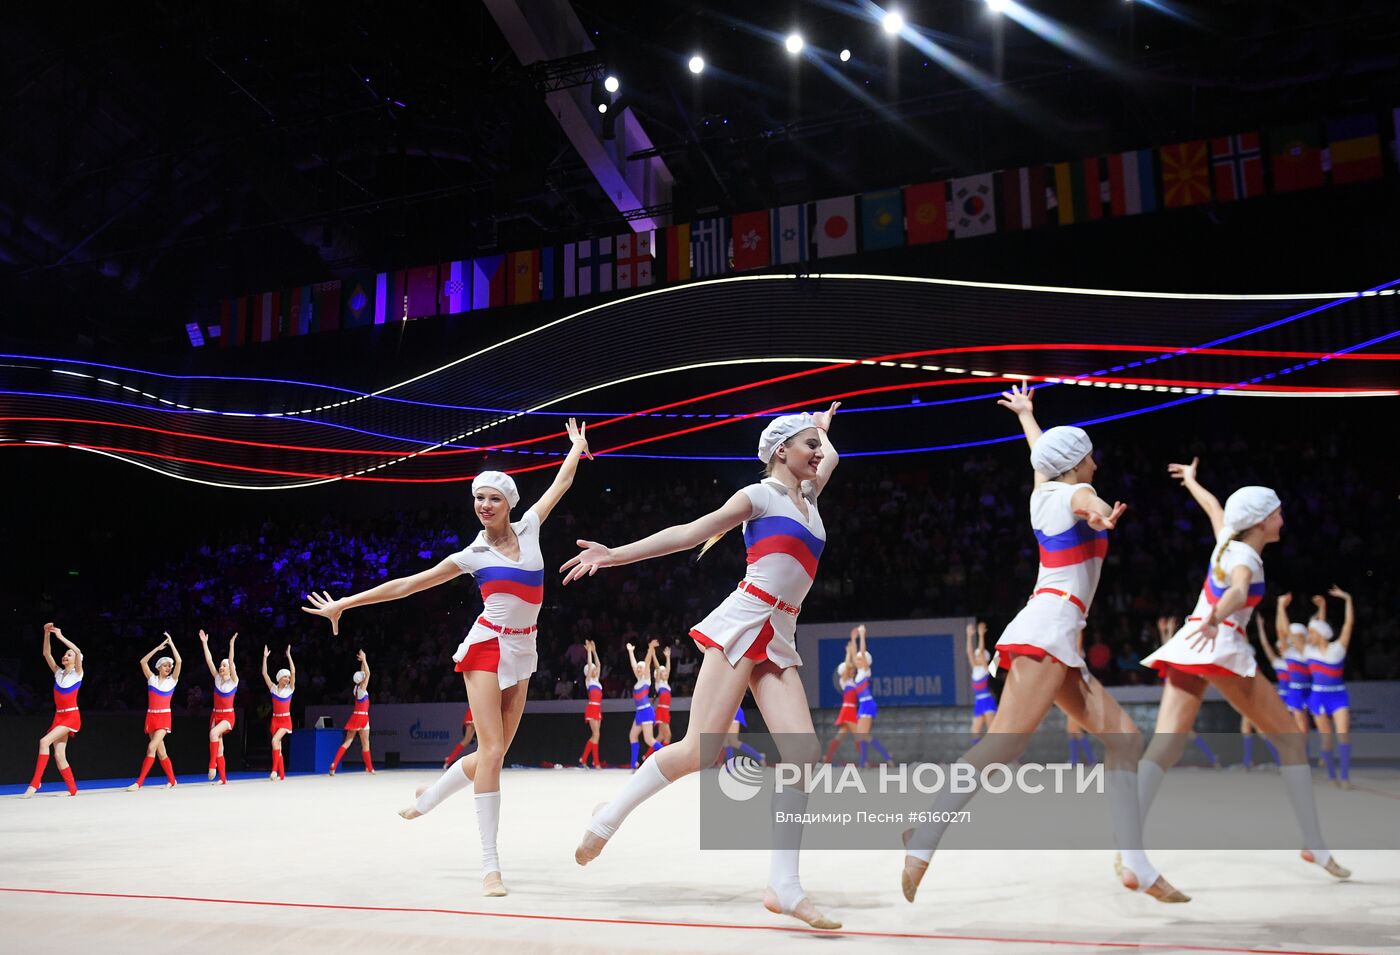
(1344, 752)
(1273, 750)
(1074, 750)
(1331, 762)
(1248, 750)
(1209, 753)
(636, 748)
(656, 745)
(884, 753)
(753, 753)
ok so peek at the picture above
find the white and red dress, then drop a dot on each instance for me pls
(224, 692)
(158, 693)
(66, 684)
(663, 702)
(594, 709)
(359, 716)
(848, 703)
(502, 640)
(758, 621)
(1231, 653)
(281, 711)
(1071, 559)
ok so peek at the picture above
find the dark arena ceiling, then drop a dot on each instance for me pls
(162, 154)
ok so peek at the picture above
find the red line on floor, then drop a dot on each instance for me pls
(653, 923)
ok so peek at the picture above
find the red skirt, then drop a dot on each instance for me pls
(231, 718)
(157, 721)
(847, 714)
(73, 720)
(593, 711)
(280, 723)
(356, 722)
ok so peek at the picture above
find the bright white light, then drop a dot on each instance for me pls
(794, 43)
(845, 56)
(997, 6)
(697, 64)
(893, 22)
(611, 84)
(602, 107)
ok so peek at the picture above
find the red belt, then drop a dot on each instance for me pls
(1224, 623)
(1063, 595)
(505, 631)
(768, 598)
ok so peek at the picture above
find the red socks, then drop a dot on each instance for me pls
(39, 765)
(145, 768)
(169, 770)
(590, 747)
(369, 763)
(278, 766)
(67, 773)
(223, 777)
(831, 749)
(335, 763)
(456, 751)
(213, 753)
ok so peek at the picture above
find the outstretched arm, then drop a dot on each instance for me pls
(673, 539)
(232, 666)
(981, 638)
(364, 668)
(267, 679)
(1281, 621)
(1186, 474)
(968, 649)
(632, 657)
(861, 651)
(48, 652)
(1019, 401)
(179, 664)
(323, 605)
(291, 665)
(829, 456)
(651, 656)
(1349, 619)
(1264, 641)
(1090, 507)
(564, 478)
(208, 657)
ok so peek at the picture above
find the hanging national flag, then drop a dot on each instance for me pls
(389, 304)
(926, 212)
(1065, 204)
(1295, 157)
(834, 227)
(634, 259)
(594, 258)
(268, 316)
(233, 317)
(357, 301)
(325, 299)
(752, 241)
(1095, 187)
(556, 281)
(488, 281)
(1355, 149)
(1023, 198)
(790, 234)
(709, 243)
(421, 291)
(882, 219)
(297, 311)
(974, 206)
(1238, 166)
(523, 277)
(677, 251)
(1132, 188)
(1185, 178)
(455, 287)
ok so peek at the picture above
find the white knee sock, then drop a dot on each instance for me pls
(645, 783)
(1149, 780)
(787, 843)
(1298, 779)
(926, 838)
(453, 780)
(1123, 789)
(488, 823)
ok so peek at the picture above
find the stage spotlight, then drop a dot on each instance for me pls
(794, 43)
(997, 6)
(845, 56)
(602, 107)
(697, 64)
(611, 84)
(893, 22)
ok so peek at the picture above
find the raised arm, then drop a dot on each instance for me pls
(267, 679)
(829, 456)
(668, 664)
(232, 666)
(324, 605)
(48, 652)
(175, 673)
(291, 665)
(861, 651)
(632, 658)
(1264, 641)
(1019, 401)
(981, 639)
(1186, 474)
(673, 539)
(1344, 638)
(146, 660)
(78, 663)
(969, 648)
(1319, 603)
(364, 668)
(209, 657)
(1281, 621)
(651, 656)
(564, 477)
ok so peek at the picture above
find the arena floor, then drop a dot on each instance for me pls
(318, 864)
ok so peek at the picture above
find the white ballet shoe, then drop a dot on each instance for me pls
(914, 870)
(804, 911)
(1161, 890)
(29, 792)
(272, 776)
(492, 887)
(591, 845)
(1332, 867)
(411, 812)
(133, 787)
(213, 774)
(331, 772)
(170, 785)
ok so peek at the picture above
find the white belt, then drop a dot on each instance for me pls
(67, 709)
(158, 711)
